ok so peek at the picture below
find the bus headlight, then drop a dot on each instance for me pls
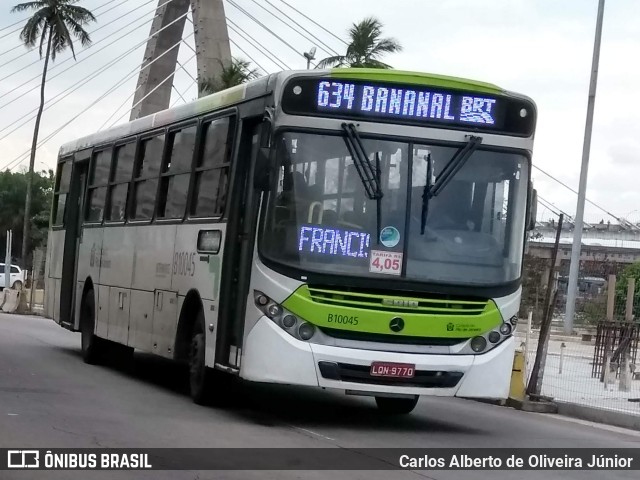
(505, 329)
(286, 320)
(478, 344)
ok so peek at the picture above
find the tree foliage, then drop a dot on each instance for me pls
(13, 187)
(366, 47)
(239, 71)
(622, 282)
(57, 21)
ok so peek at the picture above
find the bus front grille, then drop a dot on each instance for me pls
(390, 338)
(393, 302)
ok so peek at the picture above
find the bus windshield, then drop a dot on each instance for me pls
(319, 217)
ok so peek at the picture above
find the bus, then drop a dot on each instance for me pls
(360, 230)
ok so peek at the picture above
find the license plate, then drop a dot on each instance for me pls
(397, 370)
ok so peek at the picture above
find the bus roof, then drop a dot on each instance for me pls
(264, 85)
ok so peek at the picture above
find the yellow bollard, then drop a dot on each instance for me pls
(517, 390)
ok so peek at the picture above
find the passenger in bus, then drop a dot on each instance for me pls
(451, 209)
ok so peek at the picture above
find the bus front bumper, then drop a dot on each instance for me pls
(273, 356)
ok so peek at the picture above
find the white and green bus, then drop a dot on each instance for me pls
(352, 229)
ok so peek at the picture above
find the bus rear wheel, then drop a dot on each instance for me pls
(396, 406)
(92, 346)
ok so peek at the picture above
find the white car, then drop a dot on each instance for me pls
(17, 277)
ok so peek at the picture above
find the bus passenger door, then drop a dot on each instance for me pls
(73, 236)
(239, 247)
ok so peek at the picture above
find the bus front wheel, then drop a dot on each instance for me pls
(92, 346)
(396, 406)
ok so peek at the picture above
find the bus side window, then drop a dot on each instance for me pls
(120, 178)
(176, 174)
(98, 179)
(146, 174)
(212, 169)
(63, 180)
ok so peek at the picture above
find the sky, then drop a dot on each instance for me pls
(540, 48)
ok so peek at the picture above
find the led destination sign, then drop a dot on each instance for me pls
(408, 103)
(333, 242)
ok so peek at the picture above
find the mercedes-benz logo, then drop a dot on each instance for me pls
(396, 324)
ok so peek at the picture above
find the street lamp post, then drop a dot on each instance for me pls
(310, 55)
(586, 147)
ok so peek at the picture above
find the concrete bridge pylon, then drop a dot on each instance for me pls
(155, 81)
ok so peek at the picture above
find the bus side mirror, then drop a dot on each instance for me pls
(262, 171)
(532, 208)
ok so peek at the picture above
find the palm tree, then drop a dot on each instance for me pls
(239, 71)
(54, 22)
(365, 48)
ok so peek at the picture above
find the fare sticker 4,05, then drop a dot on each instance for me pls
(388, 263)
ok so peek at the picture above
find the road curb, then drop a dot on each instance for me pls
(598, 415)
(531, 406)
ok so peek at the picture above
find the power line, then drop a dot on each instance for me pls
(249, 56)
(574, 191)
(90, 77)
(112, 89)
(238, 47)
(12, 25)
(140, 86)
(70, 58)
(62, 94)
(326, 48)
(154, 89)
(314, 22)
(238, 7)
(181, 95)
(25, 19)
(557, 210)
(85, 58)
(330, 49)
(255, 44)
(11, 50)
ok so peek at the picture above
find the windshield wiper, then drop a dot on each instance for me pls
(369, 175)
(448, 172)
(425, 194)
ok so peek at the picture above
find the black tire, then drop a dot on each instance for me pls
(92, 346)
(200, 377)
(396, 406)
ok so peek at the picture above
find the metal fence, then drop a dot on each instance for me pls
(597, 364)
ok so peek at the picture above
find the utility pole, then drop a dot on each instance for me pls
(7, 261)
(574, 268)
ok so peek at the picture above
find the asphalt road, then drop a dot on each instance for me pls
(50, 399)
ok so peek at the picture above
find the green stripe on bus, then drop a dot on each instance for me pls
(368, 320)
(415, 78)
